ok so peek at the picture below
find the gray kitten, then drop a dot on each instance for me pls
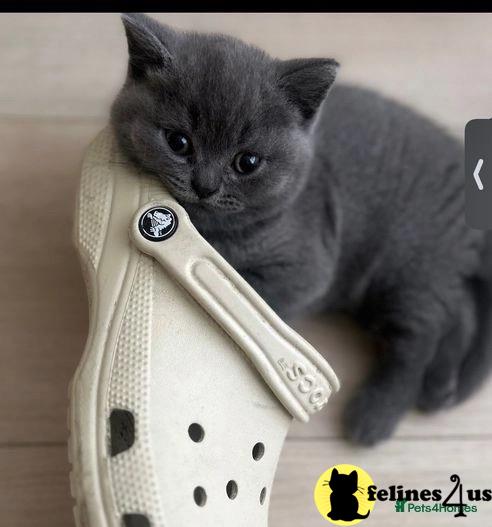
(351, 203)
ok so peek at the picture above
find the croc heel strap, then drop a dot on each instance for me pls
(296, 373)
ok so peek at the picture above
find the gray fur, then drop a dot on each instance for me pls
(357, 205)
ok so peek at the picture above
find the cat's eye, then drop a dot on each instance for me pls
(246, 162)
(179, 143)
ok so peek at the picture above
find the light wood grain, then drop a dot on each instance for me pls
(43, 316)
(72, 64)
(34, 487)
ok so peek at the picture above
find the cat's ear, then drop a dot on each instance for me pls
(353, 475)
(334, 472)
(306, 82)
(146, 47)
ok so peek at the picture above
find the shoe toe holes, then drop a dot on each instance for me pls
(196, 433)
(200, 496)
(258, 451)
(263, 494)
(232, 490)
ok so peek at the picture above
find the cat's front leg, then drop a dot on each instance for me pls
(374, 412)
(410, 342)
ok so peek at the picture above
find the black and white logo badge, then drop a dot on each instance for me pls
(158, 223)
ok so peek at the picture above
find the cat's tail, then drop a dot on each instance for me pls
(362, 516)
(478, 362)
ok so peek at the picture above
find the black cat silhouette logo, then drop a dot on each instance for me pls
(341, 495)
(158, 223)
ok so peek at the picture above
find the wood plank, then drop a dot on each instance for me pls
(34, 487)
(43, 320)
(69, 64)
(43, 317)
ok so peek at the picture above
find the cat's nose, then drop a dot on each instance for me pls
(204, 188)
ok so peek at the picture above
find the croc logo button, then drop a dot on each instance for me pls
(158, 223)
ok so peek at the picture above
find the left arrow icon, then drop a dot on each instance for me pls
(476, 174)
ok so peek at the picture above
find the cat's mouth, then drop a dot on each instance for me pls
(215, 204)
(189, 199)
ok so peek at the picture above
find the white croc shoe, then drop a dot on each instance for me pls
(189, 381)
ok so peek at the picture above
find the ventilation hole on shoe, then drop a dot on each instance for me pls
(232, 490)
(258, 451)
(200, 496)
(122, 425)
(196, 433)
(135, 520)
(263, 495)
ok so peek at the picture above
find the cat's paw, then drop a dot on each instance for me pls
(369, 418)
(438, 393)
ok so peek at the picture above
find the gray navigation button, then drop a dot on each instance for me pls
(478, 173)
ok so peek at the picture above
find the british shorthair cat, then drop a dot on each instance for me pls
(325, 197)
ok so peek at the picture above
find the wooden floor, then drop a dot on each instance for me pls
(59, 73)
